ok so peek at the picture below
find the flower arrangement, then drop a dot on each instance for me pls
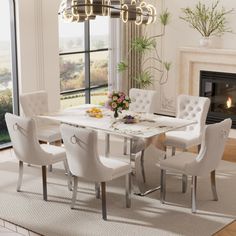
(118, 101)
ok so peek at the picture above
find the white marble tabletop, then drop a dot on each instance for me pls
(149, 125)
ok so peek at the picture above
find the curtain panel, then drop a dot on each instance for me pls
(121, 38)
(130, 32)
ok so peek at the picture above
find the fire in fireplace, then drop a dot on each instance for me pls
(220, 87)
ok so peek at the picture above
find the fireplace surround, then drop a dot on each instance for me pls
(220, 88)
(192, 60)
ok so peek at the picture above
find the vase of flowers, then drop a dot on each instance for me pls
(118, 101)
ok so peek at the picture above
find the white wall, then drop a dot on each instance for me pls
(37, 29)
(179, 34)
(38, 61)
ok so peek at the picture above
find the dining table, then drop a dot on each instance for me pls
(146, 126)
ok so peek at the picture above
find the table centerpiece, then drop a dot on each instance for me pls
(117, 101)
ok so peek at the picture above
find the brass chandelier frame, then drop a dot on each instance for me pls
(127, 10)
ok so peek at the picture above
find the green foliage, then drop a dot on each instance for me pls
(167, 65)
(4, 137)
(144, 79)
(143, 44)
(164, 17)
(5, 106)
(122, 66)
(207, 20)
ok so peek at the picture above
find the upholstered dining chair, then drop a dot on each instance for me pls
(27, 149)
(35, 104)
(84, 162)
(191, 108)
(201, 164)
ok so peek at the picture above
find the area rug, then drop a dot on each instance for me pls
(146, 216)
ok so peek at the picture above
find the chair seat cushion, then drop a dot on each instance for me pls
(59, 153)
(182, 139)
(49, 133)
(119, 168)
(178, 162)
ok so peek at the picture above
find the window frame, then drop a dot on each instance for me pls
(87, 72)
(14, 57)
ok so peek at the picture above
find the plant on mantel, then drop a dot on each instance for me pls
(142, 45)
(207, 20)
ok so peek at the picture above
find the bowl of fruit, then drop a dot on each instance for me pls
(128, 119)
(95, 112)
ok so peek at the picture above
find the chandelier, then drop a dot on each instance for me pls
(127, 10)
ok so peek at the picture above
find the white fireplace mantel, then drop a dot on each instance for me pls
(193, 60)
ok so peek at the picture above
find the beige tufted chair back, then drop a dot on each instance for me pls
(35, 103)
(22, 132)
(212, 149)
(193, 108)
(82, 155)
(142, 100)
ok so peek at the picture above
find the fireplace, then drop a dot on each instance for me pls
(220, 88)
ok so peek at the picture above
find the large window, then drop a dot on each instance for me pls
(8, 70)
(84, 62)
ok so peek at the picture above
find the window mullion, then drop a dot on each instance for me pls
(87, 61)
(15, 92)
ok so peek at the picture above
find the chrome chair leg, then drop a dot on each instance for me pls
(163, 186)
(198, 148)
(20, 176)
(213, 185)
(69, 182)
(184, 183)
(44, 178)
(97, 190)
(142, 166)
(73, 200)
(194, 193)
(184, 179)
(128, 190)
(104, 207)
(69, 175)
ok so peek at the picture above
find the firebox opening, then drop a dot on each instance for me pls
(220, 87)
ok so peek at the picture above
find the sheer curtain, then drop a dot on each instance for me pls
(130, 32)
(114, 81)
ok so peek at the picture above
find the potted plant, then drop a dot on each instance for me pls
(207, 20)
(142, 45)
